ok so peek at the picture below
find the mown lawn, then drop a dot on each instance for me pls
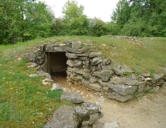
(26, 103)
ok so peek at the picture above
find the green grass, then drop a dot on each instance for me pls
(26, 103)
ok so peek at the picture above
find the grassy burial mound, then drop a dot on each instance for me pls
(26, 102)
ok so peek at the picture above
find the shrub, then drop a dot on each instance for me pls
(97, 27)
(113, 28)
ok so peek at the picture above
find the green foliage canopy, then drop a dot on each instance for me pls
(23, 19)
(141, 17)
(76, 23)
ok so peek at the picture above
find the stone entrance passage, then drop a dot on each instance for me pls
(56, 63)
(85, 66)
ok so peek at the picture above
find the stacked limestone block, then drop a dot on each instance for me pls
(87, 68)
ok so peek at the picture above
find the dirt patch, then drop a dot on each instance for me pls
(147, 112)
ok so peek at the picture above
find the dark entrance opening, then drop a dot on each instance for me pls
(56, 65)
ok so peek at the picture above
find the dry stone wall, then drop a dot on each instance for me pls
(89, 68)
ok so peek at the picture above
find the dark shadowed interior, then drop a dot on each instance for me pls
(57, 63)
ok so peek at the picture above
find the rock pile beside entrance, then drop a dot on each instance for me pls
(84, 115)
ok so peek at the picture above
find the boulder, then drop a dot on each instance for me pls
(123, 89)
(64, 117)
(89, 114)
(74, 98)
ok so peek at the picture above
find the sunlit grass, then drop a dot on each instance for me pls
(24, 101)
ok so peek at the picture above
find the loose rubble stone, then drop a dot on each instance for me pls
(64, 117)
(89, 113)
(72, 97)
(81, 116)
(56, 87)
(47, 81)
(33, 75)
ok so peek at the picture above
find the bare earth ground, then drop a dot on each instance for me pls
(146, 112)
